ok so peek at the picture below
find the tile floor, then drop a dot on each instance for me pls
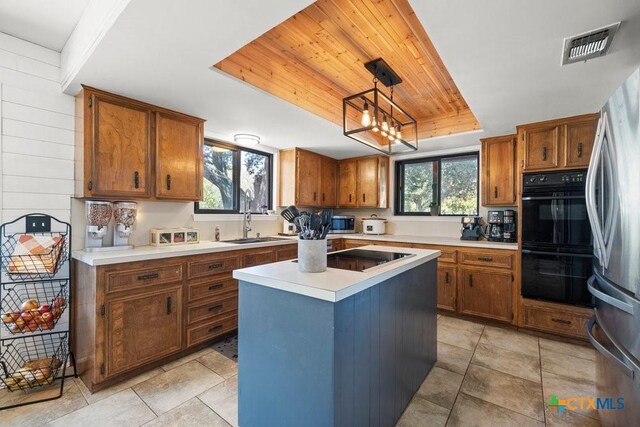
(484, 376)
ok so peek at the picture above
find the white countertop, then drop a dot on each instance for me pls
(146, 253)
(334, 284)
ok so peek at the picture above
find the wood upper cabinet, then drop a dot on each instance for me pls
(368, 183)
(328, 181)
(347, 179)
(557, 144)
(117, 147)
(130, 149)
(179, 157)
(307, 179)
(486, 292)
(142, 328)
(580, 137)
(499, 171)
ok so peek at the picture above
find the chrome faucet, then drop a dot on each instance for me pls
(246, 223)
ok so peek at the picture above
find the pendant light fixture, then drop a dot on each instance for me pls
(375, 119)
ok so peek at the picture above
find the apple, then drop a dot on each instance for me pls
(59, 302)
(15, 315)
(56, 312)
(20, 322)
(30, 305)
(7, 318)
(27, 316)
(31, 326)
(44, 308)
(38, 319)
(47, 318)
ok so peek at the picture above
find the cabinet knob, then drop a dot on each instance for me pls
(90, 185)
(136, 179)
(168, 182)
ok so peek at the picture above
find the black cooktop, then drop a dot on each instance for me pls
(362, 259)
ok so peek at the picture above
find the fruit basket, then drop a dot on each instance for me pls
(33, 306)
(31, 256)
(34, 361)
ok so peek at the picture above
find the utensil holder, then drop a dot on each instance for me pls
(312, 256)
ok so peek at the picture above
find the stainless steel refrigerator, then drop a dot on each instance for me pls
(613, 205)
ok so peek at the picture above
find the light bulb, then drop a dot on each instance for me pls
(392, 130)
(374, 123)
(385, 125)
(391, 137)
(398, 133)
(366, 118)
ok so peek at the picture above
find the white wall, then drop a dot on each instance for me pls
(37, 121)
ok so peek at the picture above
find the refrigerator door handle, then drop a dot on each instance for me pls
(608, 299)
(590, 190)
(628, 371)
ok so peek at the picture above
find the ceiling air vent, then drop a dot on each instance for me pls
(588, 45)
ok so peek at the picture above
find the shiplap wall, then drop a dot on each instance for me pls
(37, 137)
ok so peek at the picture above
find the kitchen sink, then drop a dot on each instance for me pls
(255, 240)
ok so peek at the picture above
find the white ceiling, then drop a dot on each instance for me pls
(48, 23)
(504, 57)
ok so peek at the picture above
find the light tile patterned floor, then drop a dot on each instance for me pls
(484, 376)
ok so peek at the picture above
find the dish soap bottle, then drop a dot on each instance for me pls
(216, 233)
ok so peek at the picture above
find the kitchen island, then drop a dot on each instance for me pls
(342, 347)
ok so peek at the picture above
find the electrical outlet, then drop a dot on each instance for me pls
(38, 224)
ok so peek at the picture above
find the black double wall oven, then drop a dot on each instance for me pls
(557, 251)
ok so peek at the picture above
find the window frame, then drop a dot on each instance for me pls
(399, 194)
(236, 159)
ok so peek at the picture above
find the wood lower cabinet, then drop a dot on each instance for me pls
(499, 171)
(447, 287)
(557, 144)
(554, 318)
(486, 292)
(132, 150)
(141, 328)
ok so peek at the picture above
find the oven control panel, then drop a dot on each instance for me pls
(554, 178)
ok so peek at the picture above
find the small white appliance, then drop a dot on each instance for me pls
(374, 225)
(288, 228)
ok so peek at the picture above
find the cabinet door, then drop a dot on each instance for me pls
(308, 179)
(367, 182)
(142, 328)
(487, 293)
(541, 148)
(447, 287)
(498, 171)
(179, 157)
(119, 153)
(328, 176)
(580, 138)
(347, 177)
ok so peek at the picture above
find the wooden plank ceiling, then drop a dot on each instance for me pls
(316, 58)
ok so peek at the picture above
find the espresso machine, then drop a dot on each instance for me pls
(502, 226)
(471, 228)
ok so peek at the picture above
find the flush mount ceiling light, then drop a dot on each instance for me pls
(246, 139)
(374, 119)
(588, 45)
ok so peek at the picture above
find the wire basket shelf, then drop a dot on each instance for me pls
(29, 307)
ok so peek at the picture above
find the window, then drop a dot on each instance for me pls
(450, 182)
(236, 179)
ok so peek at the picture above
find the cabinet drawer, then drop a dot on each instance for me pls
(556, 321)
(208, 267)
(206, 312)
(132, 279)
(258, 258)
(448, 254)
(487, 259)
(216, 286)
(288, 252)
(201, 333)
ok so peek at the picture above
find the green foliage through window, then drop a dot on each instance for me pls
(235, 179)
(450, 183)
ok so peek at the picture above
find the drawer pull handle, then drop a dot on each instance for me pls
(544, 154)
(580, 150)
(136, 179)
(349, 197)
(314, 196)
(471, 280)
(216, 265)
(148, 276)
(495, 192)
(564, 322)
(215, 328)
(169, 305)
(485, 258)
(216, 286)
(446, 277)
(168, 182)
(216, 307)
(364, 197)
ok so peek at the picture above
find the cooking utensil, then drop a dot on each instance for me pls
(290, 214)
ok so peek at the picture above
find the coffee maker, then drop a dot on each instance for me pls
(502, 226)
(471, 228)
(509, 226)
